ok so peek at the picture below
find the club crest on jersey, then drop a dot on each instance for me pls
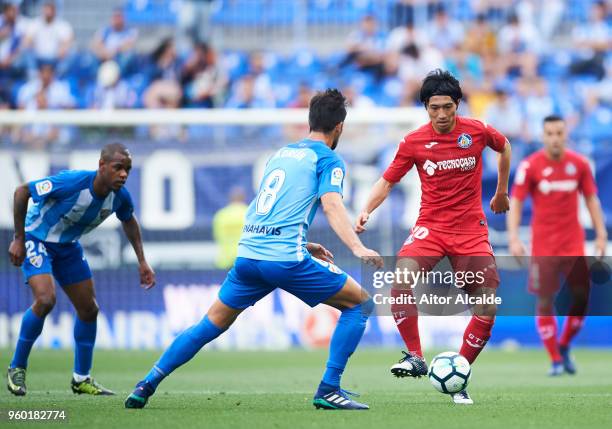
(44, 187)
(104, 213)
(464, 141)
(570, 169)
(36, 261)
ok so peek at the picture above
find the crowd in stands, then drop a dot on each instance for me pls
(518, 61)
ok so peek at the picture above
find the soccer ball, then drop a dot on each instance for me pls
(449, 372)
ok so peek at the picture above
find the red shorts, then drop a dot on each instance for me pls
(544, 274)
(466, 252)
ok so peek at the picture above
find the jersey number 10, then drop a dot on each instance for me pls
(269, 191)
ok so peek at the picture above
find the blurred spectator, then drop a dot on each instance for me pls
(45, 92)
(13, 29)
(193, 21)
(111, 92)
(227, 228)
(445, 34)
(202, 77)
(115, 41)
(415, 62)
(357, 100)
(301, 101)
(516, 44)
(245, 96)
(50, 37)
(543, 16)
(480, 38)
(165, 94)
(504, 113)
(262, 85)
(400, 37)
(594, 40)
(366, 47)
(165, 62)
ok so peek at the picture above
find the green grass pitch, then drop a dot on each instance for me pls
(274, 390)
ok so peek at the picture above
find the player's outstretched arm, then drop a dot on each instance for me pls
(132, 232)
(380, 191)
(601, 234)
(20, 208)
(500, 201)
(338, 218)
(517, 248)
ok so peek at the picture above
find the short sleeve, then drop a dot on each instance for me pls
(522, 181)
(59, 186)
(330, 172)
(125, 211)
(401, 164)
(587, 184)
(495, 140)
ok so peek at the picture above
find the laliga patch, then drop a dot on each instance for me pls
(44, 187)
(36, 261)
(464, 141)
(337, 176)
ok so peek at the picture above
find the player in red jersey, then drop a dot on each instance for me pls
(447, 153)
(553, 177)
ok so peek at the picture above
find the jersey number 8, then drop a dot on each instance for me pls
(269, 191)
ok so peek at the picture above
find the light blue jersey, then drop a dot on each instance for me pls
(66, 207)
(278, 218)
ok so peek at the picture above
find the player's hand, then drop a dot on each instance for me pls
(362, 219)
(17, 252)
(147, 275)
(500, 203)
(370, 257)
(517, 249)
(320, 252)
(600, 246)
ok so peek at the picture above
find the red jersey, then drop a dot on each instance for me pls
(554, 187)
(450, 169)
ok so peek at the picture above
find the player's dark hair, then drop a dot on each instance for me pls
(553, 118)
(109, 150)
(440, 82)
(327, 109)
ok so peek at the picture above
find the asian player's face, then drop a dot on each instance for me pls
(116, 171)
(554, 138)
(442, 111)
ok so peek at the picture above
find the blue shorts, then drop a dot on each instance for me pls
(311, 280)
(64, 260)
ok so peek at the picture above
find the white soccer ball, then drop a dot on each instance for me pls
(449, 372)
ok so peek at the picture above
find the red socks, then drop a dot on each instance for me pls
(407, 321)
(475, 337)
(571, 327)
(547, 328)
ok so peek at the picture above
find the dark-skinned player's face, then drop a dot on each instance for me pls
(554, 138)
(337, 133)
(442, 111)
(115, 171)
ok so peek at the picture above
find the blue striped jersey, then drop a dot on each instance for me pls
(66, 207)
(278, 218)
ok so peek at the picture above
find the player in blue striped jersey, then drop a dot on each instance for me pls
(46, 246)
(275, 253)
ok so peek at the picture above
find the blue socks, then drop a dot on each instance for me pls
(31, 327)
(84, 340)
(348, 333)
(182, 349)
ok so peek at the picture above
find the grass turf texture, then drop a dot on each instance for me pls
(274, 389)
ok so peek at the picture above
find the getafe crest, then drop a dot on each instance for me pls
(464, 141)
